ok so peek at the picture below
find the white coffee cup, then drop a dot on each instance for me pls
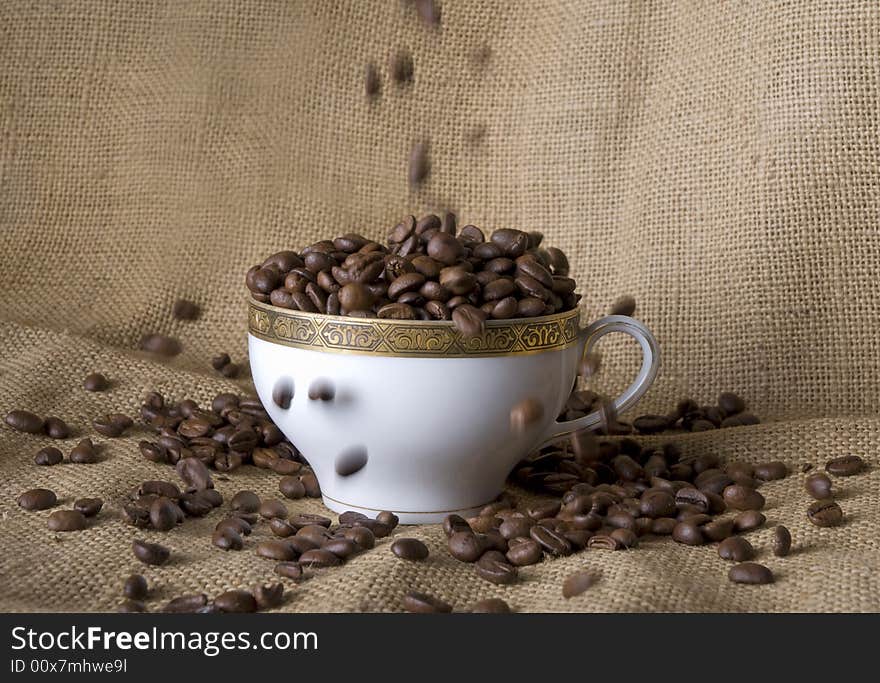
(431, 410)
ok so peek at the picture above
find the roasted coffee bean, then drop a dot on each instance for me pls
(66, 520)
(740, 420)
(625, 305)
(693, 497)
(516, 527)
(730, 403)
(401, 66)
(220, 361)
(626, 537)
(825, 513)
(291, 487)
(242, 441)
(48, 456)
(372, 81)
(525, 414)
(578, 583)
(743, 498)
(37, 499)
(363, 537)
(112, 425)
(56, 428)
(750, 572)
(845, 466)
(285, 467)
(749, 520)
(423, 603)
(245, 501)
(468, 320)
(322, 390)
(152, 451)
(419, 165)
(88, 506)
(227, 538)
(490, 606)
(150, 553)
(160, 344)
(282, 393)
(25, 421)
(269, 595)
(544, 510)
(651, 424)
(770, 471)
(281, 527)
(604, 542)
(663, 526)
(736, 549)
(688, 533)
(657, 504)
(818, 485)
(717, 529)
(275, 550)
(524, 551)
(453, 524)
(131, 606)
(186, 604)
(351, 461)
(310, 481)
(185, 310)
(236, 601)
(273, 508)
(466, 546)
(551, 541)
(388, 518)
(194, 474)
(164, 514)
(496, 569)
(319, 558)
(409, 549)
(289, 570)
(342, 547)
(781, 541)
(135, 587)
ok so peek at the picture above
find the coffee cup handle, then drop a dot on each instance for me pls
(650, 365)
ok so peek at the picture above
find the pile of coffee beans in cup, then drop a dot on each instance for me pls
(428, 269)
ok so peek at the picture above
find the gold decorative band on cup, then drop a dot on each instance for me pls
(410, 338)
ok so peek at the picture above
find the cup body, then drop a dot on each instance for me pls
(436, 427)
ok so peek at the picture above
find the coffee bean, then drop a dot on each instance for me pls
(524, 552)
(401, 66)
(749, 520)
(551, 541)
(657, 504)
(48, 456)
(135, 587)
(578, 583)
(131, 606)
(88, 506)
(717, 530)
(319, 558)
(25, 421)
(468, 320)
(388, 518)
(194, 474)
(409, 549)
(282, 393)
(227, 538)
(37, 499)
(56, 428)
(743, 498)
(66, 520)
(220, 361)
(245, 501)
(818, 485)
(273, 508)
(781, 541)
(525, 414)
(372, 81)
(466, 546)
(164, 514)
(490, 606)
(770, 471)
(736, 549)
(604, 542)
(429, 12)
(730, 403)
(845, 466)
(322, 390)
(160, 344)
(291, 487)
(186, 604)
(688, 533)
(626, 537)
(350, 461)
(313, 488)
(275, 550)
(750, 572)
(112, 426)
(185, 310)
(269, 595)
(625, 305)
(825, 513)
(423, 603)
(496, 569)
(290, 570)
(693, 497)
(150, 553)
(236, 601)
(663, 526)
(651, 424)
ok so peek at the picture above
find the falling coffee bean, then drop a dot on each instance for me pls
(185, 310)
(409, 549)
(135, 587)
(66, 520)
(150, 553)
(419, 165)
(160, 344)
(578, 583)
(825, 513)
(37, 499)
(282, 393)
(625, 305)
(781, 541)
(423, 603)
(525, 414)
(112, 426)
(351, 461)
(372, 81)
(401, 66)
(845, 466)
(88, 506)
(322, 390)
(750, 572)
(818, 485)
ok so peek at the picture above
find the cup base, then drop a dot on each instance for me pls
(405, 517)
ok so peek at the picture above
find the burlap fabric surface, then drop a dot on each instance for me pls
(716, 161)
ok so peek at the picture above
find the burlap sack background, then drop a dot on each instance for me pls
(716, 161)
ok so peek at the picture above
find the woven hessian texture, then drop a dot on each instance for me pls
(716, 161)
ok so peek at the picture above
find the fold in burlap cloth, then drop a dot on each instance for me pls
(718, 162)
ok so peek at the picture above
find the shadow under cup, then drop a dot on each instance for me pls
(429, 409)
